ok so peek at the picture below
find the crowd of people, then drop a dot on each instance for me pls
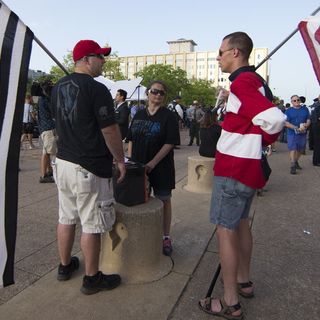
(85, 133)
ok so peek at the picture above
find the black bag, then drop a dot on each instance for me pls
(133, 189)
(265, 167)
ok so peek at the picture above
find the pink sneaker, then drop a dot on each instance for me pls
(167, 247)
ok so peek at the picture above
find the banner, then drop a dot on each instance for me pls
(15, 50)
(310, 32)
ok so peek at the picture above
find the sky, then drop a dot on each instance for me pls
(143, 27)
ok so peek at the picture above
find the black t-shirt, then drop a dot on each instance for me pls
(208, 140)
(81, 107)
(148, 134)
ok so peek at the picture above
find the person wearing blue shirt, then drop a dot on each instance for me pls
(298, 121)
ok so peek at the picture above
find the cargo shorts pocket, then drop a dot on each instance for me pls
(54, 171)
(86, 181)
(107, 214)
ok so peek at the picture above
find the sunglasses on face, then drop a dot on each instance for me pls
(99, 56)
(296, 100)
(156, 92)
(221, 52)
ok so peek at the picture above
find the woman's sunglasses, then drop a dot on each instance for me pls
(156, 91)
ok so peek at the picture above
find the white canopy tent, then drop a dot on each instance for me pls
(135, 91)
(107, 82)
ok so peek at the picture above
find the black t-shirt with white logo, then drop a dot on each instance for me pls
(81, 107)
(148, 134)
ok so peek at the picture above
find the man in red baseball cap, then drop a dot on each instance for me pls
(87, 48)
(89, 141)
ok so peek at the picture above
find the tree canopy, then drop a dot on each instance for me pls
(178, 84)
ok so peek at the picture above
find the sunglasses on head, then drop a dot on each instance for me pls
(99, 56)
(156, 91)
(296, 100)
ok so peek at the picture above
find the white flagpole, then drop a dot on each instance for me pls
(283, 42)
(44, 48)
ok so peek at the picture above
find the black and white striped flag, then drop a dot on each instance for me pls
(15, 50)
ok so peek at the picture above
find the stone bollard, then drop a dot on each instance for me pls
(200, 174)
(133, 248)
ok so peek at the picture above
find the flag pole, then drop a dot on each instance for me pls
(42, 46)
(283, 42)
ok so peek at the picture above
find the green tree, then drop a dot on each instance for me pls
(200, 90)
(175, 79)
(56, 72)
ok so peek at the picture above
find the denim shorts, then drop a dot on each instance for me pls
(162, 195)
(297, 142)
(230, 202)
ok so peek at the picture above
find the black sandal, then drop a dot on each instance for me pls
(225, 312)
(244, 285)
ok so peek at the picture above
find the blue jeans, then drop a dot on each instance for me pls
(230, 202)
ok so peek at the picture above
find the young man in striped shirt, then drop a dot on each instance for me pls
(251, 122)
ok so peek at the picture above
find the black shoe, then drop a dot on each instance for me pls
(293, 170)
(65, 272)
(99, 282)
(175, 147)
(49, 174)
(46, 179)
(297, 165)
(190, 144)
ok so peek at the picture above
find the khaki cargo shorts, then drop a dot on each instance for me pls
(49, 142)
(84, 196)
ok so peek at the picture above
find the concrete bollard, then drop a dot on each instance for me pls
(200, 174)
(133, 248)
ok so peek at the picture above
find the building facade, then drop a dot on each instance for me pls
(197, 64)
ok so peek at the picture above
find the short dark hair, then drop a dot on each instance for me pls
(240, 40)
(123, 93)
(302, 99)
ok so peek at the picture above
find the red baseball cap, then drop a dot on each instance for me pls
(86, 47)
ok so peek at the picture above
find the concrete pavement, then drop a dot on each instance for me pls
(286, 228)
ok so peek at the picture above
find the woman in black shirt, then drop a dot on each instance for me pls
(152, 135)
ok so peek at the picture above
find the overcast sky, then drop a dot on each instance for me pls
(143, 27)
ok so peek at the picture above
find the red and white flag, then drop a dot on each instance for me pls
(310, 32)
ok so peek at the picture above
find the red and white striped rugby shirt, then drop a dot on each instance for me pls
(251, 121)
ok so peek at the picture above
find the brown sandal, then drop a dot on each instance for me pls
(225, 312)
(244, 285)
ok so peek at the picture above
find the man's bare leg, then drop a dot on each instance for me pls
(245, 245)
(65, 233)
(90, 246)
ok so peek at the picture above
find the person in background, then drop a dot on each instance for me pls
(89, 142)
(137, 105)
(195, 115)
(152, 135)
(177, 110)
(298, 121)
(210, 132)
(315, 122)
(251, 122)
(122, 112)
(47, 133)
(27, 122)
(310, 135)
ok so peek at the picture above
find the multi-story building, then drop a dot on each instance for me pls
(197, 64)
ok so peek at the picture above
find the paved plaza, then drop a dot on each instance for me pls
(285, 266)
